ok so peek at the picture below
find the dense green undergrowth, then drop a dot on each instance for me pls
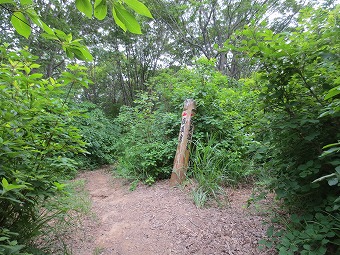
(38, 144)
(99, 133)
(149, 130)
(300, 75)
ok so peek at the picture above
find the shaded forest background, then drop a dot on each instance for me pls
(264, 74)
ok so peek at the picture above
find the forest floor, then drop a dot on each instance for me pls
(161, 220)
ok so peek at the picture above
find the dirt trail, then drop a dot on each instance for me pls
(161, 220)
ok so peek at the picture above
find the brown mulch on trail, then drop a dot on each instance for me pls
(161, 220)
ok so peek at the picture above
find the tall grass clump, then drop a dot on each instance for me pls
(208, 168)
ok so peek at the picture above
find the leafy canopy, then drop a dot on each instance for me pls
(24, 17)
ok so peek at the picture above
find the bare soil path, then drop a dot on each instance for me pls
(160, 220)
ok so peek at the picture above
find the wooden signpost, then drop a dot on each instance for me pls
(184, 139)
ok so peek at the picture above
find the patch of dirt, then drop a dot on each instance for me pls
(161, 220)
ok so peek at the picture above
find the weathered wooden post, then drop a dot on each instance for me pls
(184, 139)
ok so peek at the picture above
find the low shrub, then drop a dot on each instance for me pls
(100, 134)
(146, 144)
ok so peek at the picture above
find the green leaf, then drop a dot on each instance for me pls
(270, 231)
(36, 20)
(59, 186)
(81, 52)
(330, 145)
(36, 76)
(330, 151)
(85, 7)
(77, 52)
(100, 9)
(20, 24)
(86, 53)
(294, 218)
(61, 35)
(6, 2)
(333, 92)
(69, 53)
(117, 20)
(50, 37)
(337, 169)
(4, 183)
(7, 187)
(26, 2)
(47, 29)
(34, 66)
(138, 7)
(333, 181)
(127, 19)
